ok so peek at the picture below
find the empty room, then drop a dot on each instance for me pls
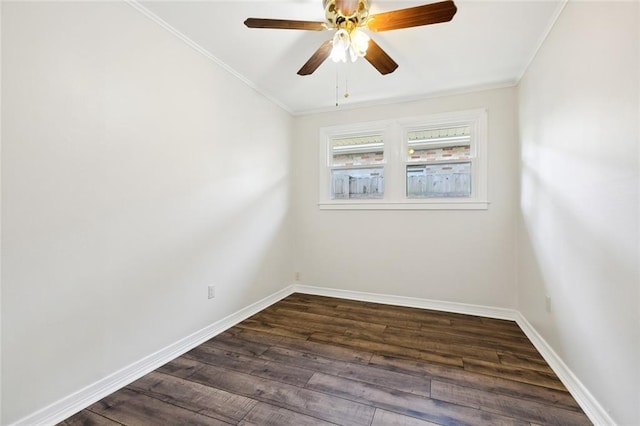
(320, 212)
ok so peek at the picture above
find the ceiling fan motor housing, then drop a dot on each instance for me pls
(338, 12)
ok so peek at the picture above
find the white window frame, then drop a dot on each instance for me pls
(395, 163)
(326, 157)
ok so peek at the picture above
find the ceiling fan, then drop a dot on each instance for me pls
(347, 17)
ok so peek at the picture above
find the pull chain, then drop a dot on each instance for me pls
(337, 104)
(346, 83)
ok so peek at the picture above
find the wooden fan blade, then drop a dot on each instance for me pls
(285, 24)
(413, 17)
(316, 59)
(379, 59)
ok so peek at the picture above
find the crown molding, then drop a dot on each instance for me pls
(204, 52)
(543, 38)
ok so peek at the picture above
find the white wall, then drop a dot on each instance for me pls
(0, 213)
(135, 172)
(458, 256)
(578, 233)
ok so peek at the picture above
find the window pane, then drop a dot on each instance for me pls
(446, 143)
(439, 180)
(357, 183)
(440, 154)
(357, 151)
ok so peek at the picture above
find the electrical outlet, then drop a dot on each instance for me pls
(547, 302)
(212, 291)
(296, 276)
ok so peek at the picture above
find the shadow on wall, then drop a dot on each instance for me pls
(134, 278)
(235, 243)
(576, 247)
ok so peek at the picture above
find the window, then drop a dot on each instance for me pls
(430, 162)
(357, 167)
(439, 162)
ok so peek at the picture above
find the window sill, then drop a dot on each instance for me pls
(405, 205)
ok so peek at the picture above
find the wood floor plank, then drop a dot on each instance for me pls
(414, 339)
(313, 317)
(517, 374)
(385, 348)
(494, 323)
(243, 347)
(380, 319)
(298, 323)
(314, 300)
(88, 418)
(388, 418)
(261, 326)
(510, 330)
(487, 339)
(479, 331)
(506, 405)
(213, 355)
(216, 403)
(271, 415)
(180, 367)
(472, 339)
(416, 314)
(249, 335)
(132, 408)
(406, 314)
(341, 353)
(404, 403)
(304, 401)
(525, 361)
(494, 384)
(308, 361)
(365, 373)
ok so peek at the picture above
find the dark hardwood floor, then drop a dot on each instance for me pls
(311, 360)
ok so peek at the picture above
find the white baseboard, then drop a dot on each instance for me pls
(81, 399)
(412, 302)
(592, 408)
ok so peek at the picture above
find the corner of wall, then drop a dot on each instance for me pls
(1, 383)
(543, 38)
(589, 404)
(71, 404)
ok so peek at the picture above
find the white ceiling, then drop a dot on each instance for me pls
(487, 44)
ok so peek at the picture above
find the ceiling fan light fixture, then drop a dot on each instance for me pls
(353, 41)
(359, 42)
(341, 43)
